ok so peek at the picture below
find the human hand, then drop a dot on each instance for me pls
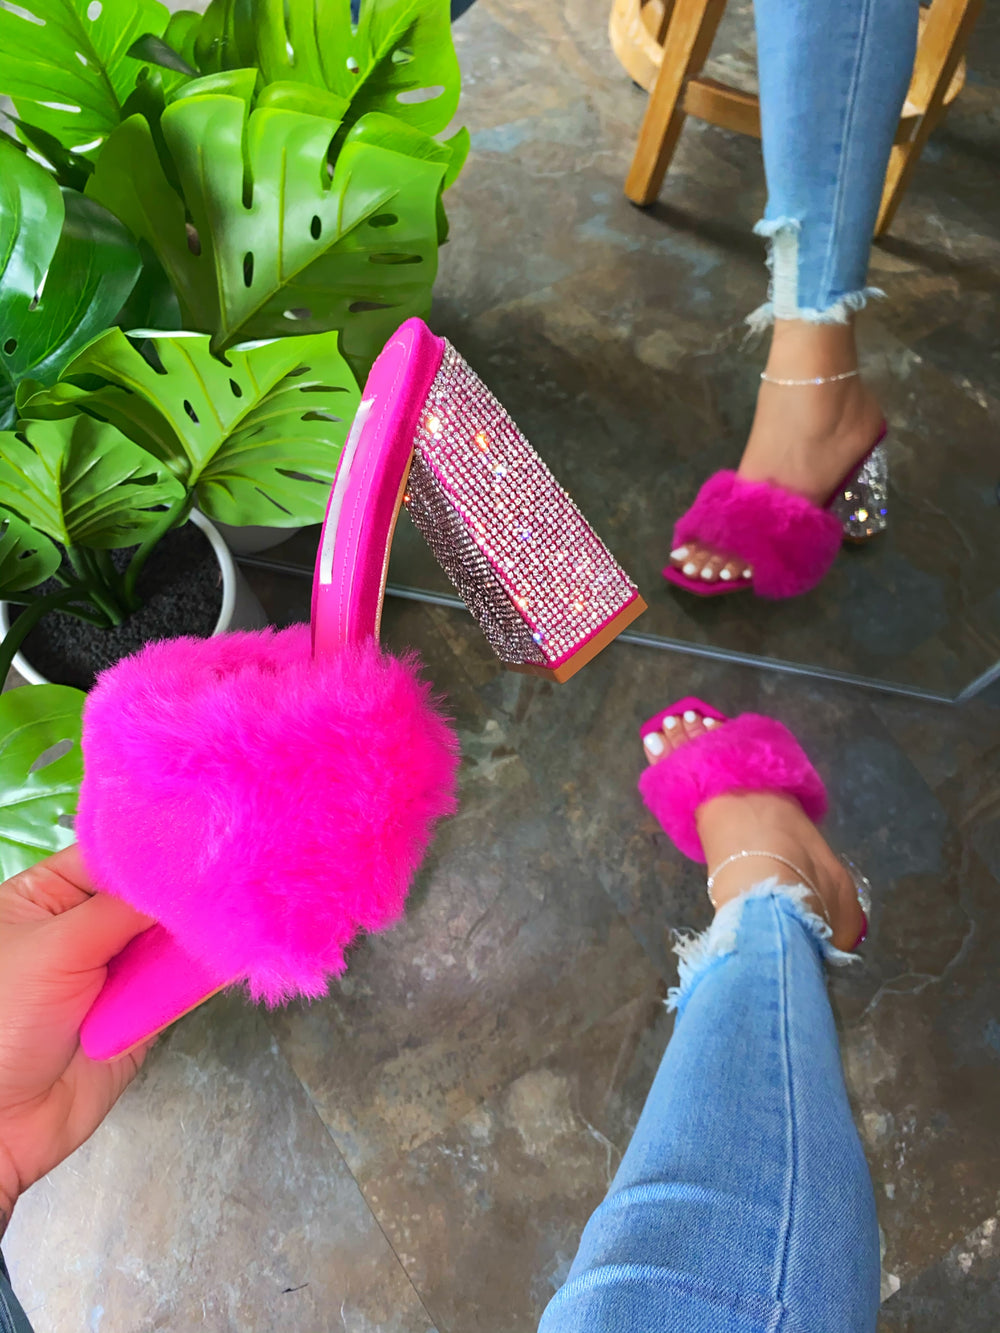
(57, 935)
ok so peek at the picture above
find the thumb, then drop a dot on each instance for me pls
(92, 933)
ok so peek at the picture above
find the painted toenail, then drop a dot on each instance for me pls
(670, 723)
(706, 573)
(748, 573)
(690, 568)
(653, 744)
(709, 722)
(725, 574)
(681, 553)
(690, 716)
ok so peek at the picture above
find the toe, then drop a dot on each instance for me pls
(675, 732)
(694, 558)
(731, 571)
(693, 724)
(712, 567)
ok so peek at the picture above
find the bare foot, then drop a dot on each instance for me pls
(806, 439)
(750, 821)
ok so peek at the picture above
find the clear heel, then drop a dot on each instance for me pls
(862, 504)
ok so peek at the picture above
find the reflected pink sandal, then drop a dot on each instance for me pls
(790, 542)
(751, 752)
(266, 797)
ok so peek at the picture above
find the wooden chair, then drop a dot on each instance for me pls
(664, 44)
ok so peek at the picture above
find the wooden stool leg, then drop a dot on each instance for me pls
(692, 29)
(942, 45)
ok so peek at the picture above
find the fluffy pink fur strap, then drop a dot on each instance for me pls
(750, 753)
(789, 541)
(264, 806)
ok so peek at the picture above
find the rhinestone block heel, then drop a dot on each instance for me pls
(862, 502)
(429, 435)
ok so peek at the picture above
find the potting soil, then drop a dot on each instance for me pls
(181, 590)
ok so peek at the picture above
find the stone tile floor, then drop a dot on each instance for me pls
(420, 1150)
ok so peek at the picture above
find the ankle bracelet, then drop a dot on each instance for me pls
(770, 856)
(820, 379)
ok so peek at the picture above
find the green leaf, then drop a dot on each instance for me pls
(66, 267)
(400, 60)
(282, 246)
(257, 435)
(27, 558)
(65, 63)
(181, 34)
(41, 768)
(82, 483)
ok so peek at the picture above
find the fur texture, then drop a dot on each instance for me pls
(750, 753)
(790, 542)
(262, 806)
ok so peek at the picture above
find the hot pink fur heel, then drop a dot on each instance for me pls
(751, 752)
(789, 542)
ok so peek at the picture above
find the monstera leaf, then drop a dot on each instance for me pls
(41, 768)
(27, 558)
(65, 64)
(399, 60)
(257, 435)
(278, 245)
(66, 267)
(82, 483)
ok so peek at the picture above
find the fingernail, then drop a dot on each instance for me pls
(690, 569)
(706, 573)
(725, 574)
(670, 723)
(680, 554)
(709, 722)
(653, 744)
(690, 716)
(748, 573)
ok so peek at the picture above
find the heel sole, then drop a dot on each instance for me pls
(566, 670)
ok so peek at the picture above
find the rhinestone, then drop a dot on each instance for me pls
(521, 529)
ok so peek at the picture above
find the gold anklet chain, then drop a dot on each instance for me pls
(820, 379)
(770, 856)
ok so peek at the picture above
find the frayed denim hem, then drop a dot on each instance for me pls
(783, 303)
(697, 953)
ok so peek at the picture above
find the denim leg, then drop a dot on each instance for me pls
(743, 1203)
(833, 78)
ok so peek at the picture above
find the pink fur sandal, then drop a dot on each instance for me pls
(266, 797)
(789, 542)
(751, 752)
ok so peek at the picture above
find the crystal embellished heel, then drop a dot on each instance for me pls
(862, 502)
(429, 435)
(789, 542)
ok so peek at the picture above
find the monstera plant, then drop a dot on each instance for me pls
(209, 225)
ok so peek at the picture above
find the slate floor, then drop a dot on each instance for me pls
(419, 1151)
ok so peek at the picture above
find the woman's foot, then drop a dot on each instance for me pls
(805, 439)
(764, 821)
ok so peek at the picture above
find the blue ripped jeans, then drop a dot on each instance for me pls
(743, 1203)
(833, 77)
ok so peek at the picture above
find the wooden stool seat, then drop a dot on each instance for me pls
(663, 46)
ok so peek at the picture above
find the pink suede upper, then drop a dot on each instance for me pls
(263, 806)
(750, 753)
(790, 542)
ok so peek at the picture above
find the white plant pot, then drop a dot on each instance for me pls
(240, 608)
(251, 539)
